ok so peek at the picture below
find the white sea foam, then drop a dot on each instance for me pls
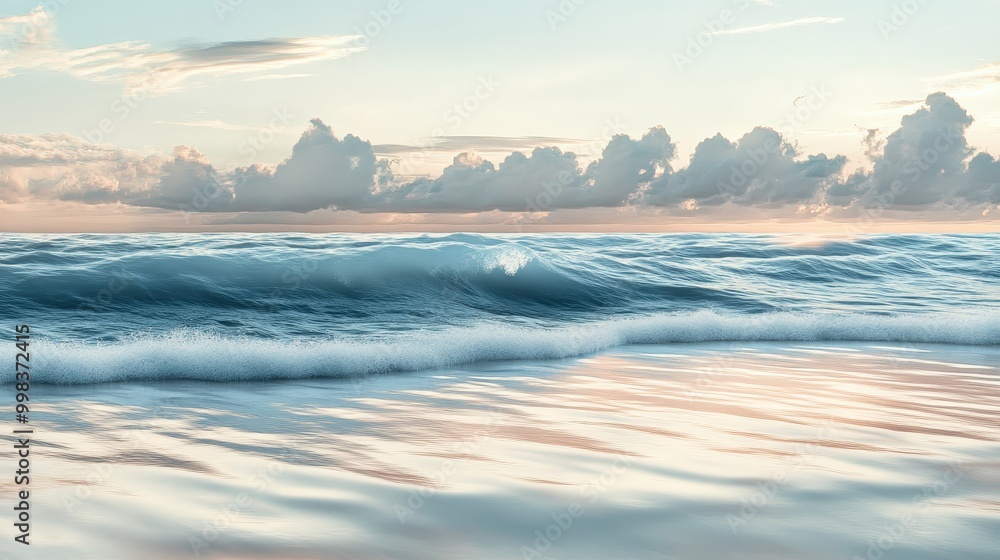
(205, 356)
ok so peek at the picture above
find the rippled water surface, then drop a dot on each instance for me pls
(708, 451)
(494, 397)
(245, 306)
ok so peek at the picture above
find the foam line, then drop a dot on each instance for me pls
(210, 357)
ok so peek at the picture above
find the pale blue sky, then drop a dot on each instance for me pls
(137, 108)
(607, 60)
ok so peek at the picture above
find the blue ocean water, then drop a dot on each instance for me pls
(268, 306)
(687, 396)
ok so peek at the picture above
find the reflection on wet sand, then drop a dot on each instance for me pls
(700, 451)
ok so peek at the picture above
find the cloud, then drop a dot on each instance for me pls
(763, 28)
(546, 179)
(969, 80)
(626, 165)
(922, 162)
(471, 184)
(64, 167)
(23, 31)
(760, 169)
(925, 165)
(141, 67)
(323, 171)
(26, 150)
(895, 105)
(188, 182)
(475, 143)
(124, 180)
(982, 180)
(926, 153)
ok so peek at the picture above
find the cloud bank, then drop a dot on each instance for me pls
(924, 165)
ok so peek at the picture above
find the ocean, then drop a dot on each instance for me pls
(508, 396)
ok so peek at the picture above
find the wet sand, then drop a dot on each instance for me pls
(677, 451)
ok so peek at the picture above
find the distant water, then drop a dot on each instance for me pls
(226, 307)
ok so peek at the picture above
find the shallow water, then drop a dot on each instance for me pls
(724, 450)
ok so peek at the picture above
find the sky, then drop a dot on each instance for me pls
(502, 116)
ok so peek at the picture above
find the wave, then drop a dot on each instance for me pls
(383, 281)
(177, 280)
(211, 357)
